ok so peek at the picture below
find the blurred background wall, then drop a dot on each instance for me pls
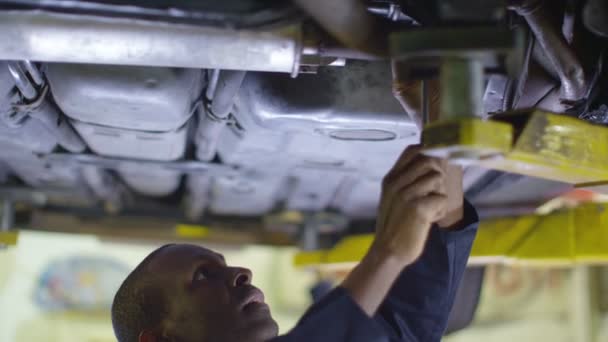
(57, 288)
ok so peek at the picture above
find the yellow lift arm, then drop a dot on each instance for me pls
(9, 238)
(578, 235)
(537, 144)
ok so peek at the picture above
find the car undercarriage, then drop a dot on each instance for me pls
(273, 111)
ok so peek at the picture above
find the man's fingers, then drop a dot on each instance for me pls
(416, 169)
(432, 207)
(407, 156)
(431, 183)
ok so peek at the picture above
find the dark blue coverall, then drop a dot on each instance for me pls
(417, 307)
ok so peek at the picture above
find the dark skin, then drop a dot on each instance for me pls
(208, 300)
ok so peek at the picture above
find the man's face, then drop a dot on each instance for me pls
(207, 300)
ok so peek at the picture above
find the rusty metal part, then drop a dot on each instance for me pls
(349, 22)
(460, 86)
(562, 58)
(419, 99)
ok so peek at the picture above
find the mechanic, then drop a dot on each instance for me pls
(402, 290)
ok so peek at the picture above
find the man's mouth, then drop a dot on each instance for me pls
(254, 300)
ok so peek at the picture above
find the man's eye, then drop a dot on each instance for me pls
(202, 273)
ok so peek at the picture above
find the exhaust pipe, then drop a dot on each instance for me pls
(52, 37)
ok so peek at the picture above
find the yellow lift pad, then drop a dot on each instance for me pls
(578, 235)
(188, 231)
(539, 144)
(467, 137)
(558, 147)
(9, 238)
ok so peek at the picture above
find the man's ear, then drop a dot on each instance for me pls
(148, 336)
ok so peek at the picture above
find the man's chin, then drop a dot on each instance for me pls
(273, 329)
(262, 327)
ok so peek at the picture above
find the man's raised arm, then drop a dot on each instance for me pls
(404, 287)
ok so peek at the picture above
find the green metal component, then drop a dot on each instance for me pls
(454, 42)
(462, 87)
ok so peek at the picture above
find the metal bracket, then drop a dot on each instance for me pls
(461, 54)
(475, 42)
(32, 89)
(187, 166)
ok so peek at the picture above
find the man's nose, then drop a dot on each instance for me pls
(240, 276)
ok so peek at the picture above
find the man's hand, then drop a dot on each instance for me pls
(417, 192)
(454, 211)
(414, 195)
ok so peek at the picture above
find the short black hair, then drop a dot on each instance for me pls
(138, 304)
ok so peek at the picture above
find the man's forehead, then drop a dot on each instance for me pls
(178, 255)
